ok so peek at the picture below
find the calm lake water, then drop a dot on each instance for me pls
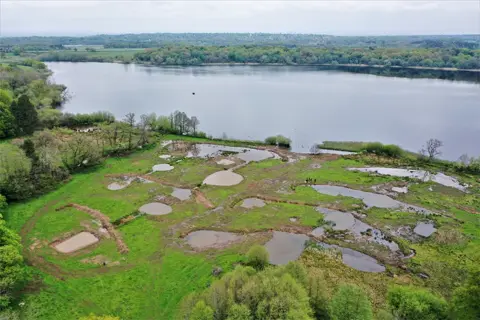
(304, 103)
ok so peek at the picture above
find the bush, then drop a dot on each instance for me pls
(350, 303)
(278, 140)
(408, 303)
(389, 150)
(466, 299)
(81, 120)
(257, 257)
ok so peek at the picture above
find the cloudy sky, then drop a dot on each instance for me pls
(69, 17)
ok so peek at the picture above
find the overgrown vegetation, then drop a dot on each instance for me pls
(278, 140)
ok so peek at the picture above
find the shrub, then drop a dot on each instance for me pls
(389, 150)
(278, 140)
(81, 120)
(257, 257)
(350, 303)
(465, 302)
(408, 303)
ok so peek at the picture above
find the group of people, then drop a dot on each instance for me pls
(310, 181)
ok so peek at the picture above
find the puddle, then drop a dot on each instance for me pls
(346, 221)
(369, 199)
(204, 239)
(439, 178)
(223, 178)
(181, 194)
(165, 156)
(285, 247)
(77, 242)
(252, 202)
(356, 260)
(126, 182)
(212, 150)
(225, 162)
(155, 209)
(425, 229)
(162, 167)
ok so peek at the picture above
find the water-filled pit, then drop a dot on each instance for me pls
(425, 229)
(181, 194)
(223, 178)
(162, 167)
(285, 247)
(356, 259)
(250, 203)
(155, 209)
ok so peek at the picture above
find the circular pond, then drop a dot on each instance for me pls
(155, 209)
(162, 167)
(223, 178)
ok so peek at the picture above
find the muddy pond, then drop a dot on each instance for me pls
(307, 104)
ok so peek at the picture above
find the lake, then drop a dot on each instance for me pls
(307, 104)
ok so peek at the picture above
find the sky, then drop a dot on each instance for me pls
(381, 17)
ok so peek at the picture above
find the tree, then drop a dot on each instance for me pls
(465, 302)
(257, 257)
(144, 127)
(408, 303)
(26, 117)
(318, 297)
(239, 312)
(29, 149)
(194, 123)
(12, 272)
(49, 118)
(130, 121)
(201, 312)
(7, 121)
(350, 303)
(432, 148)
(79, 151)
(6, 97)
(14, 172)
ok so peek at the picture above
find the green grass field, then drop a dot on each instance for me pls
(160, 268)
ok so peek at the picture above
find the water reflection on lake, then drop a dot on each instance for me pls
(307, 104)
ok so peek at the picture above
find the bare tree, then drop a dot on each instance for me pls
(194, 122)
(144, 126)
(465, 159)
(130, 120)
(432, 148)
(314, 149)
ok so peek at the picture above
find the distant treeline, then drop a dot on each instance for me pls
(155, 40)
(193, 55)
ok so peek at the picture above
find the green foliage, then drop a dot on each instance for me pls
(12, 272)
(49, 118)
(389, 150)
(350, 303)
(94, 317)
(245, 294)
(316, 287)
(201, 312)
(14, 172)
(26, 117)
(239, 312)
(279, 140)
(257, 257)
(79, 152)
(6, 121)
(408, 303)
(6, 97)
(82, 120)
(465, 303)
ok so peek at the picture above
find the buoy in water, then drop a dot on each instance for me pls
(193, 93)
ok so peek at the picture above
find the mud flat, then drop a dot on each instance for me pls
(206, 239)
(79, 241)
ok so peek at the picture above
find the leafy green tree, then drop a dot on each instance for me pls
(14, 172)
(466, 299)
(201, 312)
(49, 118)
(239, 312)
(7, 121)
(80, 151)
(408, 303)
(350, 303)
(12, 271)
(257, 257)
(6, 97)
(318, 297)
(26, 117)
(29, 149)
